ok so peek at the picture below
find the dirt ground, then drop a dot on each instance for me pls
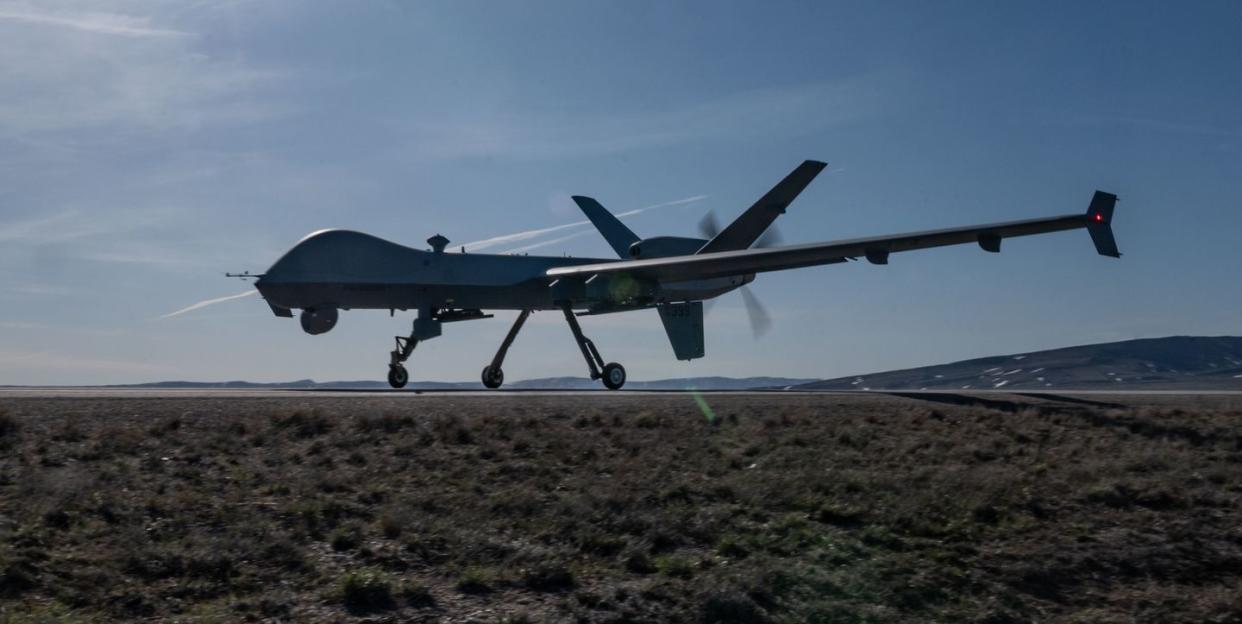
(621, 508)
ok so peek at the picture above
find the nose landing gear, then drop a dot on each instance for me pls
(426, 327)
(397, 376)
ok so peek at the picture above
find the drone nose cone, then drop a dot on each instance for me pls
(273, 275)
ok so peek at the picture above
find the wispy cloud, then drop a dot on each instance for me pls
(761, 113)
(116, 236)
(51, 228)
(77, 69)
(63, 227)
(100, 23)
(203, 304)
(140, 254)
(532, 234)
(40, 289)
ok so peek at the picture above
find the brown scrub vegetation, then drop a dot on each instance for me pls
(619, 508)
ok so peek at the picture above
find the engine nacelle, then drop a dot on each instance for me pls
(319, 320)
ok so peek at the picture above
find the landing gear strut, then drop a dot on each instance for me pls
(426, 327)
(613, 374)
(397, 375)
(493, 376)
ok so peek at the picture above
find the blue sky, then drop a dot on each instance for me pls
(148, 147)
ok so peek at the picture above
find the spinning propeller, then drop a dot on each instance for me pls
(760, 322)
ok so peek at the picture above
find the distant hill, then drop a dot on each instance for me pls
(1173, 363)
(548, 383)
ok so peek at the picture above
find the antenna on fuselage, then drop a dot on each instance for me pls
(438, 243)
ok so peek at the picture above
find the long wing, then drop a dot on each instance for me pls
(1097, 220)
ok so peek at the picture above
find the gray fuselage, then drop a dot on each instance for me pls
(352, 270)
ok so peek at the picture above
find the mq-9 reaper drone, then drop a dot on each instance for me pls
(332, 270)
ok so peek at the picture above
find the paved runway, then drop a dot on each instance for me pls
(195, 393)
(48, 392)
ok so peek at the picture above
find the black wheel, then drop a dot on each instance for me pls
(398, 376)
(493, 377)
(614, 376)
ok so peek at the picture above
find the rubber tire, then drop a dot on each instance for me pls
(614, 376)
(398, 376)
(492, 379)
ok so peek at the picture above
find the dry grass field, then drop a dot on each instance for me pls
(619, 508)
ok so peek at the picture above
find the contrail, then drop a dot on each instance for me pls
(559, 239)
(529, 234)
(203, 304)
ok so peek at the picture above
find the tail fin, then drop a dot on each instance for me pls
(683, 322)
(1099, 223)
(746, 229)
(615, 232)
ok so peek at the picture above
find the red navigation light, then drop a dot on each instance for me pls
(1099, 217)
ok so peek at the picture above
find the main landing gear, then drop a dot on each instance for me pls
(613, 374)
(493, 375)
(426, 326)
